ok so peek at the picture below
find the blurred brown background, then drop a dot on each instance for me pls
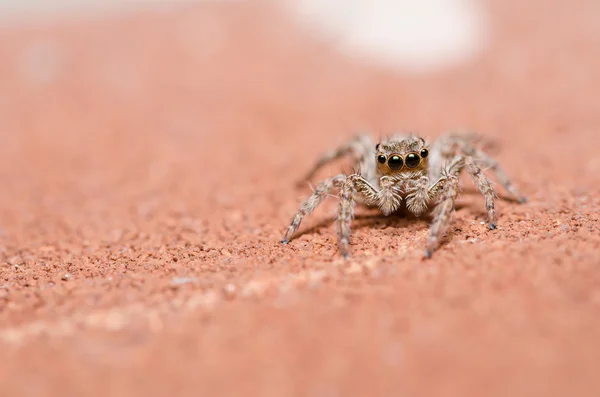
(148, 161)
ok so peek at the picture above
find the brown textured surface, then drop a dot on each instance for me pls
(148, 172)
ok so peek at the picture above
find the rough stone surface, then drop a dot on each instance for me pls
(160, 146)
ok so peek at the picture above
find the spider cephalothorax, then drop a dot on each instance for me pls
(405, 169)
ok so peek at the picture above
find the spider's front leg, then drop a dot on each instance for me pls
(387, 198)
(345, 216)
(354, 185)
(312, 203)
(442, 212)
(421, 193)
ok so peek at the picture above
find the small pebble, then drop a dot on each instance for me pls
(183, 280)
(229, 290)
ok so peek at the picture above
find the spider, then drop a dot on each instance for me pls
(404, 169)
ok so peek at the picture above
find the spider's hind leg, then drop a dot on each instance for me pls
(468, 147)
(493, 165)
(361, 146)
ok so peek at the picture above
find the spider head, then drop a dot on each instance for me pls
(408, 155)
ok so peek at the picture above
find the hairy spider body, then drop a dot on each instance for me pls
(405, 169)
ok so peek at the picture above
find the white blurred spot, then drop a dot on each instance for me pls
(41, 63)
(413, 35)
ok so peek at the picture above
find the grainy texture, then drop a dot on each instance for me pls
(147, 172)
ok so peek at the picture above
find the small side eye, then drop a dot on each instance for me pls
(395, 162)
(377, 146)
(424, 153)
(381, 158)
(412, 160)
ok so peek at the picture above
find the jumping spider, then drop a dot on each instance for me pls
(405, 169)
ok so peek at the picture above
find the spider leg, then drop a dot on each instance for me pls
(367, 194)
(467, 145)
(388, 196)
(485, 187)
(312, 203)
(356, 186)
(442, 213)
(423, 191)
(361, 146)
(493, 165)
(417, 199)
(345, 216)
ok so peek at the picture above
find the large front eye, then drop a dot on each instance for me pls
(412, 160)
(395, 162)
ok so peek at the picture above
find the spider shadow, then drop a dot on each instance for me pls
(369, 218)
(373, 219)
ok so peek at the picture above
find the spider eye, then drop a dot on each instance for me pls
(395, 162)
(381, 158)
(412, 160)
(377, 146)
(424, 153)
